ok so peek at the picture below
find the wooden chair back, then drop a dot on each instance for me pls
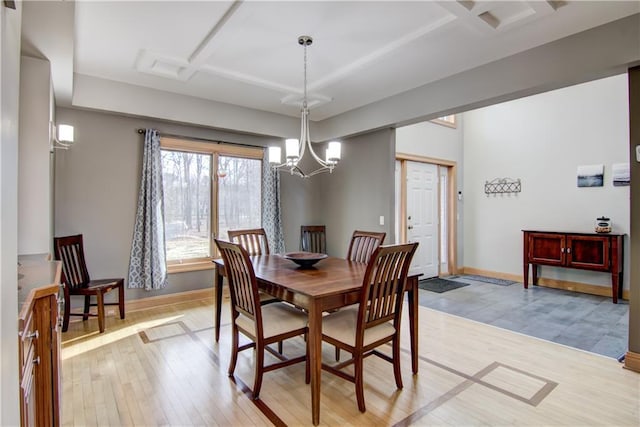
(243, 286)
(254, 241)
(383, 287)
(313, 238)
(70, 251)
(363, 244)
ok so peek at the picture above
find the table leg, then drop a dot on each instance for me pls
(614, 286)
(218, 294)
(315, 358)
(413, 322)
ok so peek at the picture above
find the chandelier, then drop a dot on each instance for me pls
(295, 148)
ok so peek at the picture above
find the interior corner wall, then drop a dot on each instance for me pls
(354, 197)
(360, 190)
(541, 140)
(634, 252)
(10, 27)
(96, 190)
(34, 180)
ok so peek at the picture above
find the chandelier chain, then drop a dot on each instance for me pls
(304, 99)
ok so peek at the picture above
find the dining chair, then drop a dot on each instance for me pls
(363, 244)
(361, 328)
(313, 238)
(361, 247)
(254, 241)
(262, 324)
(76, 279)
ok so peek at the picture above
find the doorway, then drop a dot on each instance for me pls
(425, 213)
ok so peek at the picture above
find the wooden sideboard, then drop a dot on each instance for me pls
(584, 251)
(39, 340)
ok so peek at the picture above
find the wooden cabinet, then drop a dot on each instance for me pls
(39, 341)
(585, 251)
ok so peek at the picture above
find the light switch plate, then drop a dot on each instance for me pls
(637, 153)
(381, 219)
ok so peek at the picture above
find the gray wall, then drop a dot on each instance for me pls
(354, 196)
(96, 190)
(634, 141)
(97, 180)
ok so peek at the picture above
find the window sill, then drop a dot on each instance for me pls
(191, 266)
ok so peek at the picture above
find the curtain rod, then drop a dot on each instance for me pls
(194, 138)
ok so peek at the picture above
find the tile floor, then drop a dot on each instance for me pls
(583, 321)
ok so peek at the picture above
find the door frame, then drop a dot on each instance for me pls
(452, 206)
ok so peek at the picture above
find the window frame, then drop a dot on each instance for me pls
(445, 121)
(215, 149)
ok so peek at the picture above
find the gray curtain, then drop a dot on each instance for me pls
(147, 266)
(271, 214)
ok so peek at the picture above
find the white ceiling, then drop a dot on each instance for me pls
(246, 52)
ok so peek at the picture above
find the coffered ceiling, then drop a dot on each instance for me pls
(246, 53)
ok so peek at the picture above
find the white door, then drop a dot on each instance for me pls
(422, 217)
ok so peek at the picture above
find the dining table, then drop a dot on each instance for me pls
(330, 284)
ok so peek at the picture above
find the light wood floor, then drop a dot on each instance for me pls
(161, 367)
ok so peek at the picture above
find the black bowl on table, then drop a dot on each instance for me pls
(305, 259)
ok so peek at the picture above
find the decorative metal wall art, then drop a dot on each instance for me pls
(502, 186)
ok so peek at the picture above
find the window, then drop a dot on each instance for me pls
(200, 203)
(446, 120)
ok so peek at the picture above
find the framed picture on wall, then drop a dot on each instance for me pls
(621, 174)
(591, 176)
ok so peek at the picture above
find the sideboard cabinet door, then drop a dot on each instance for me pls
(547, 248)
(588, 252)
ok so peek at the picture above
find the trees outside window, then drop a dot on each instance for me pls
(200, 203)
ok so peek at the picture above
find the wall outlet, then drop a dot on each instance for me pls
(111, 312)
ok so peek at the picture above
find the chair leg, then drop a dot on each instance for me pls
(257, 382)
(307, 365)
(337, 354)
(396, 362)
(121, 300)
(280, 347)
(67, 308)
(234, 350)
(100, 303)
(359, 382)
(87, 307)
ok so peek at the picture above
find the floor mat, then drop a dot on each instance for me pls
(439, 285)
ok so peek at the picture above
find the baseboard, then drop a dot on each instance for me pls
(160, 300)
(584, 288)
(632, 361)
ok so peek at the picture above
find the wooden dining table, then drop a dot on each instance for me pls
(330, 284)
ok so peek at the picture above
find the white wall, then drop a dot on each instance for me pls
(10, 24)
(34, 181)
(429, 139)
(542, 140)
